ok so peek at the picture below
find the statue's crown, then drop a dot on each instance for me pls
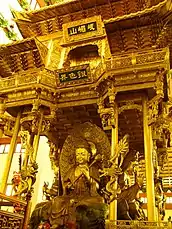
(82, 143)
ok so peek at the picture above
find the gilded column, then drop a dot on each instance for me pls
(37, 137)
(28, 145)
(148, 148)
(114, 142)
(1, 133)
(2, 106)
(27, 214)
(2, 111)
(33, 140)
(10, 153)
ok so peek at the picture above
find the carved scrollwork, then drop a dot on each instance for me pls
(7, 123)
(28, 178)
(48, 77)
(6, 83)
(26, 122)
(36, 105)
(162, 157)
(150, 57)
(159, 83)
(46, 124)
(153, 109)
(100, 103)
(31, 78)
(25, 144)
(108, 114)
(162, 140)
(108, 118)
(24, 135)
(132, 224)
(130, 105)
(35, 123)
(10, 221)
(54, 156)
(31, 122)
(111, 93)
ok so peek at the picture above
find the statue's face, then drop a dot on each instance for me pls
(82, 156)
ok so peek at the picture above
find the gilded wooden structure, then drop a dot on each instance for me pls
(104, 62)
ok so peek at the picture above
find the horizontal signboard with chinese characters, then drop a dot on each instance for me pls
(73, 75)
(83, 29)
(89, 27)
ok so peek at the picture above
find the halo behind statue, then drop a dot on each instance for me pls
(83, 136)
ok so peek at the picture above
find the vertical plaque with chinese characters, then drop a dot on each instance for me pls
(89, 27)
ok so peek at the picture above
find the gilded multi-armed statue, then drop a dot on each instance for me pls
(87, 74)
(88, 180)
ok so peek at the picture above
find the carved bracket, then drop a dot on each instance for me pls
(162, 139)
(30, 122)
(24, 135)
(161, 86)
(7, 124)
(108, 118)
(107, 111)
(154, 109)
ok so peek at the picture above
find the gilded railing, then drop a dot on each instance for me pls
(17, 81)
(12, 212)
(7, 83)
(151, 59)
(123, 224)
(48, 78)
(27, 80)
(159, 58)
